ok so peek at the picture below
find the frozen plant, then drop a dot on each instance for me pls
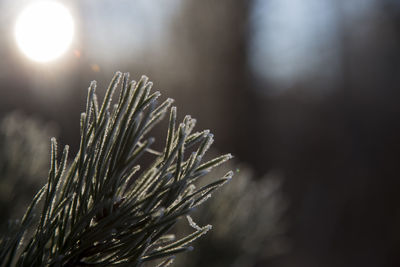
(105, 209)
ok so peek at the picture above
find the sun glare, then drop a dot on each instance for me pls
(44, 30)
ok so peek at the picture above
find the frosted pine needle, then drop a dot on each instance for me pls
(101, 209)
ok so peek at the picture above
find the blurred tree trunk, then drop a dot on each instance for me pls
(211, 49)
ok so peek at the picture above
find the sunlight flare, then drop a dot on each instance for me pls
(44, 30)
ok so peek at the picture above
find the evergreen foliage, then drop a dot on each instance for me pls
(101, 209)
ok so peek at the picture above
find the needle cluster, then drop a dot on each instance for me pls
(105, 209)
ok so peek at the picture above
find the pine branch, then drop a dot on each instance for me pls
(101, 209)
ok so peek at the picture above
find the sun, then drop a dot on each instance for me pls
(44, 30)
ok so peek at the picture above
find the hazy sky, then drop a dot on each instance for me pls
(295, 39)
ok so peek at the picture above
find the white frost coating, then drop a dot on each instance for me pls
(229, 156)
(193, 121)
(209, 143)
(159, 213)
(93, 84)
(144, 78)
(192, 223)
(190, 189)
(157, 94)
(204, 199)
(229, 175)
(166, 238)
(167, 262)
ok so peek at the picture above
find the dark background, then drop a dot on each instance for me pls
(309, 88)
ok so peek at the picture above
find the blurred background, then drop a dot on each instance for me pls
(308, 89)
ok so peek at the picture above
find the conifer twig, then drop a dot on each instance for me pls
(101, 209)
